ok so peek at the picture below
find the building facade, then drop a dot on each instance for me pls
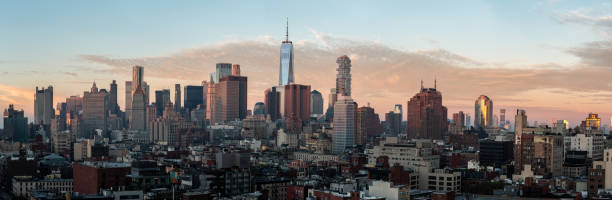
(427, 117)
(344, 124)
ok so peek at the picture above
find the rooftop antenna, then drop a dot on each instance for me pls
(421, 84)
(435, 83)
(287, 31)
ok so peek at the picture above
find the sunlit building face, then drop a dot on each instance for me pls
(483, 112)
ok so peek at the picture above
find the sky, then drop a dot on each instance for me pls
(552, 58)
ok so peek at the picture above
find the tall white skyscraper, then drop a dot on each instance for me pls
(344, 124)
(285, 75)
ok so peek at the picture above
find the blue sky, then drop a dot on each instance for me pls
(41, 41)
(490, 30)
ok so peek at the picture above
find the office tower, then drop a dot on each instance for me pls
(483, 112)
(520, 122)
(193, 97)
(15, 125)
(138, 118)
(285, 73)
(232, 94)
(468, 120)
(427, 118)
(367, 125)
(95, 111)
(146, 92)
(113, 97)
(236, 70)
(344, 124)
(393, 123)
(204, 94)
(297, 101)
(43, 105)
(343, 78)
(162, 97)
(177, 97)
(259, 109)
(59, 121)
(74, 104)
(459, 119)
(398, 110)
(593, 121)
(272, 103)
(213, 107)
(316, 103)
(223, 70)
(502, 117)
(137, 78)
(333, 97)
(128, 99)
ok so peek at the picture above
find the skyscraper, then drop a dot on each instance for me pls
(483, 112)
(367, 124)
(285, 75)
(223, 70)
(137, 78)
(95, 111)
(139, 114)
(398, 110)
(344, 124)
(316, 103)
(193, 97)
(502, 117)
(343, 78)
(393, 123)
(162, 97)
(15, 125)
(272, 103)
(232, 94)
(459, 119)
(205, 95)
(43, 105)
(592, 121)
(128, 99)
(113, 97)
(213, 107)
(177, 97)
(427, 117)
(297, 101)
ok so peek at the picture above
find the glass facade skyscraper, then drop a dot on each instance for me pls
(285, 75)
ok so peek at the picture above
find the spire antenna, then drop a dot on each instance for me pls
(435, 83)
(421, 84)
(287, 31)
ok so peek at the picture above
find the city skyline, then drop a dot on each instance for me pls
(570, 68)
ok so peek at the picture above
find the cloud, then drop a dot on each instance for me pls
(385, 76)
(582, 16)
(22, 98)
(71, 74)
(594, 53)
